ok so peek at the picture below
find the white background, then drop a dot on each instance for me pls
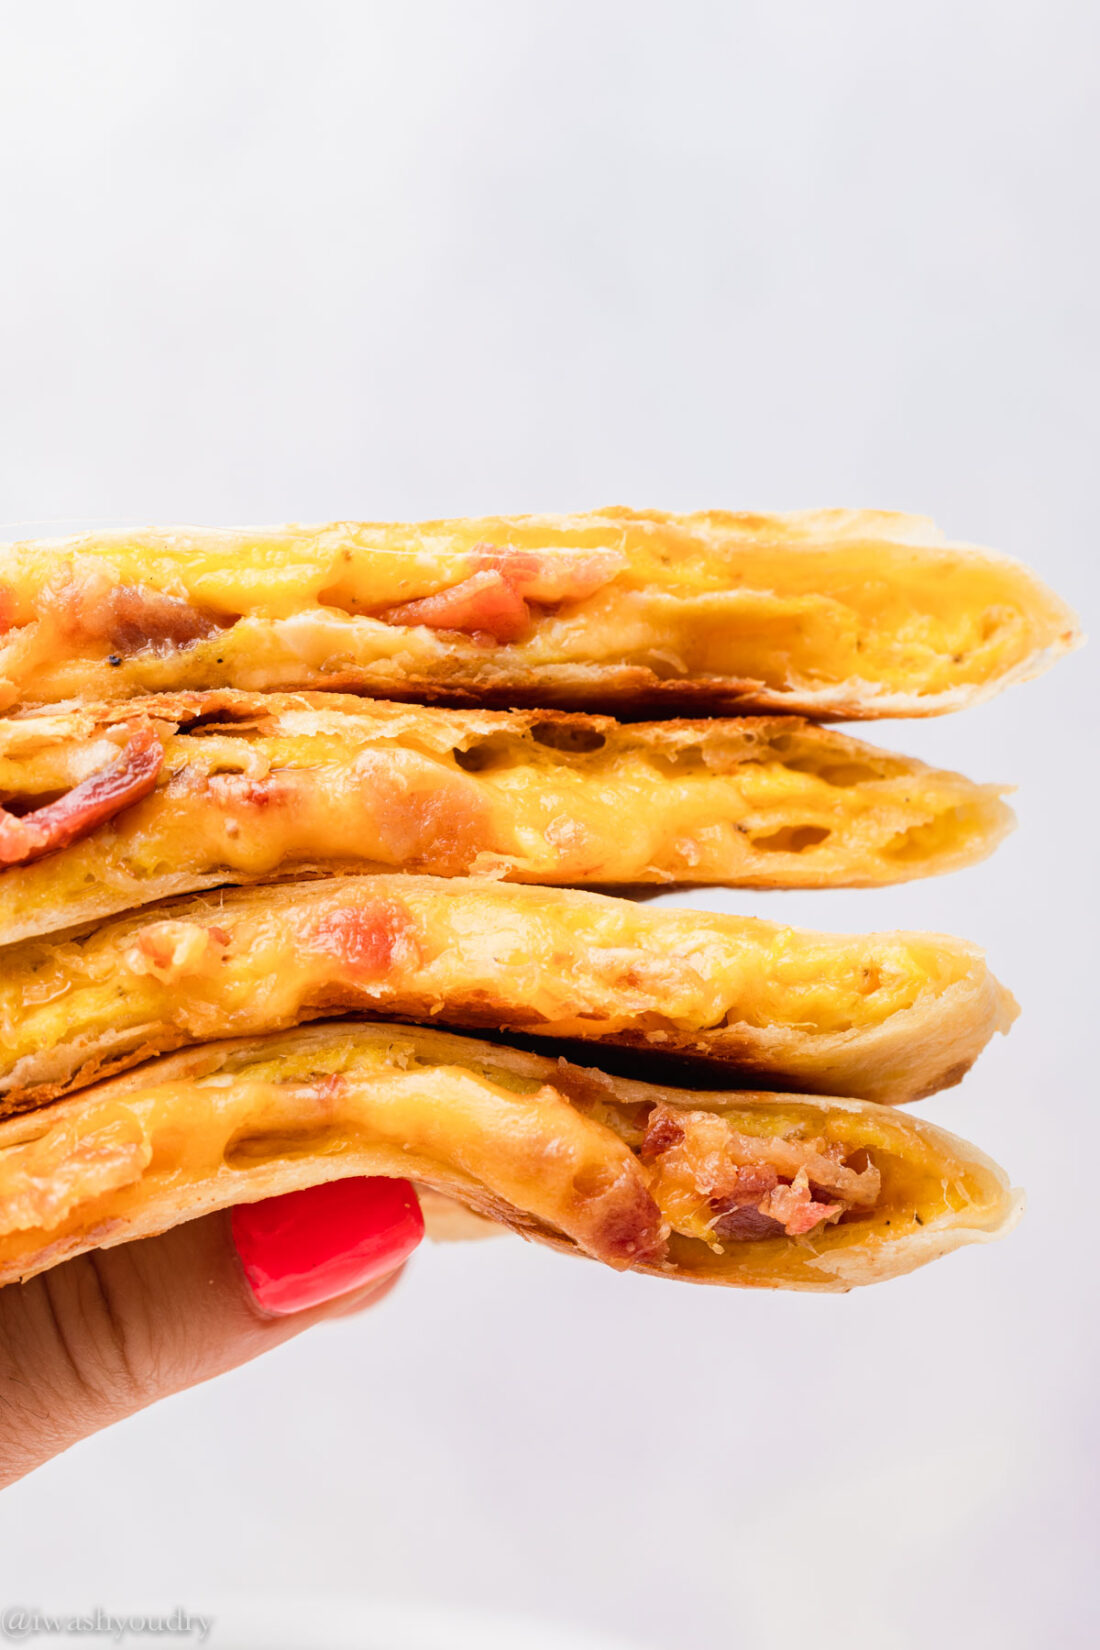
(271, 261)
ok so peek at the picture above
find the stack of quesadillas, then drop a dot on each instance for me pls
(276, 806)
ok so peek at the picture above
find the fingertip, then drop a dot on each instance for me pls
(325, 1242)
(361, 1300)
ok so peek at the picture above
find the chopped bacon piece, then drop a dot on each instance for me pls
(663, 1131)
(552, 575)
(794, 1207)
(87, 805)
(493, 601)
(274, 790)
(486, 604)
(173, 950)
(746, 1224)
(367, 939)
(625, 1222)
(714, 1182)
(127, 617)
(415, 820)
(748, 1184)
(739, 1209)
(144, 618)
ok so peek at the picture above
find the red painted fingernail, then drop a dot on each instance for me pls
(310, 1246)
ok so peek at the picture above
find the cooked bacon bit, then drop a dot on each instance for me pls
(519, 567)
(749, 1183)
(143, 618)
(368, 939)
(740, 1209)
(746, 1224)
(485, 604)
(825, 1165)
(794, 1207)
(171, 950)
(663, 1131)
(416, 822)
(549, 576)
(87, 805)
(620, 1220)
(630, 1228)
(696, 1140)
(269, 792)
(713, 1181)
(128, 617)
(492, 604)
(239, 790)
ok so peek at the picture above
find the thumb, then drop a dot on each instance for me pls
(107, 1333)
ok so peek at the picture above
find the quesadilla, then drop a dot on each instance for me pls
(106, 808)
(834, 613)
(777, 1191)
(887, 1017)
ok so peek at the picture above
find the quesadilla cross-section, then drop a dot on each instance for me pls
(777, 1191)
(106, 808)
(834, 613)
(886, 1017)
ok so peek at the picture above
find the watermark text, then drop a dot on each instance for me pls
(20, 1621)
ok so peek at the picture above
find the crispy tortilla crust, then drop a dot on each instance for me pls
(888, 1017)
(536, 1145)
(257, 786)
(831, 613)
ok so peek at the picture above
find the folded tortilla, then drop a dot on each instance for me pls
(834, 613)
(746, 1189)
(106, 808)
(886, 1017)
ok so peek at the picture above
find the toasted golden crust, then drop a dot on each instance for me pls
(257, 786)
(556, 1152)
(887, 1017)
(831, 613)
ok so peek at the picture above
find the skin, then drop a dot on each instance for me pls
(112, 1331)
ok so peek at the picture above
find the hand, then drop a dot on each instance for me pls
(107, 1333)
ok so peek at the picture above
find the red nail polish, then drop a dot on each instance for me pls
(310, 1246)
